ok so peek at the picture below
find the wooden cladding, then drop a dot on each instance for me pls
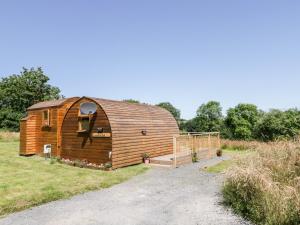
(118, 132)
(82, 145)
(34, 134)
(138, 129)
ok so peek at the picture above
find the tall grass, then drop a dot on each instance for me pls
(265, 187)
(7, 136)
(240, 145)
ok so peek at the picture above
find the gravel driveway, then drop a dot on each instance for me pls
(180, 196)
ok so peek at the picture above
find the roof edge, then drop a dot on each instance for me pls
(49, 104)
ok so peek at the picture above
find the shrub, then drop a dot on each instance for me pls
(108, 165)
(219, 152)
(265, 187)
(145, 155)
(195, 157)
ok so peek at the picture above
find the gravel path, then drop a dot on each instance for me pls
(185, 195)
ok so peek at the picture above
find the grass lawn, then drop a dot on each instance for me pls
(224, 165)
(30, 181)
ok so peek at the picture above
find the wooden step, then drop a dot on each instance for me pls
(167, 160)
(161, 162)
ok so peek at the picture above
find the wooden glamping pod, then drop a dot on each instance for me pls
(100, 131)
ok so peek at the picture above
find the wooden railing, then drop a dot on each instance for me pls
(201, 145)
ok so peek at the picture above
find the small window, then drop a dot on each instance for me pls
(85, 115)
(46, 118)
(84, 124)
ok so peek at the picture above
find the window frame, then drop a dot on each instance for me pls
(46, 121)
(80, 124)
(81, 118)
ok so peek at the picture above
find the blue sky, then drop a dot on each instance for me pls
(185, 52)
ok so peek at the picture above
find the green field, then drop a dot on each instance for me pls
(30, 181)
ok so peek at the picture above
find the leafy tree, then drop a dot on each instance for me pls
(278, 124)
(174, 111)
(241, 121)
(9, 119)
(209, 117)
(189, 125)
(18, 92)
(131, 100)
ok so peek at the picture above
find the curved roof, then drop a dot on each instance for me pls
(122, 114)
(128, 121)
(48, 104)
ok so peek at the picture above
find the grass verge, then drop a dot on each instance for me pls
(31, 181)
(233, 156)
(220, 167)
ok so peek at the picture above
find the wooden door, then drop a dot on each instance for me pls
(31, 135)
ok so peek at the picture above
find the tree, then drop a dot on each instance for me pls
(131, 100)
(18, 92)
(209, 117)
(189, 125)
(174, 111)
(241, 121)
(9, 119)
(278, 124)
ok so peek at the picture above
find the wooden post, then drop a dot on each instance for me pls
(193, 144)
(209, 145)
(219, 141)
(174, 152)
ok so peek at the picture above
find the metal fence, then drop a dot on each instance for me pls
(197, 145)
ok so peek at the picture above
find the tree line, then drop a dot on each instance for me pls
(243, 122)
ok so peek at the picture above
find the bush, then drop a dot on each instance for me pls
(195, 157)
(219, 152)
(108, 165)
(265, 187)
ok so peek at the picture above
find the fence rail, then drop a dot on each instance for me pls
(200, 145)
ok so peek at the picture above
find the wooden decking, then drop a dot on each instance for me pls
(168, 160)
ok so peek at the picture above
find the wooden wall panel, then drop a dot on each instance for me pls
(127, 121)
(23, 137)
(83, 146)
(28, 135)
(61, 112)
(45, 135)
